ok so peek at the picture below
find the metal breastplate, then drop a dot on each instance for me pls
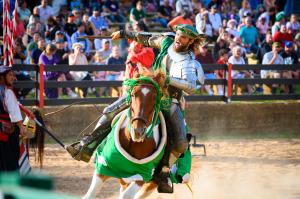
(175, 64)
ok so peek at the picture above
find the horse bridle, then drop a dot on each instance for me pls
(140, 117)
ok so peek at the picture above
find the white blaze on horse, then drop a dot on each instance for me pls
(136, 143)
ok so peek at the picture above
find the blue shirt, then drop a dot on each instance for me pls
(84, 42)
(248, 35)
(99, 22)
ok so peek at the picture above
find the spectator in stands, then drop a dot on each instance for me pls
(268, 15)
(237, 58)
(105, 51)
(280, 20)
(204, 25)
(52, 28)
(90, 28)
(98, 21)
(205, 57)
(27, 38)
(114, 58)
(214, 2)
(262, 27)
(282, 36)
(231, 28)
(38, 51)
(164, 13)
(77, 16)
(24, 12)
(81, 32)
(35, 16)
(215, 20)
(223, 59)
(48, 58)
(32, 46)
(223, 42)
(184, 18)
(98, 60)
(115, 14)
(297, 40)
(70, 27)
(266, 46)
(245, 8)
(45, 11)
(19, 55)
(183, 5)
(249, 36)
(61, 52)
(289, 57)
(227, 8)
(294, 24)
(78, 58)
(137, 13)
(270, 58)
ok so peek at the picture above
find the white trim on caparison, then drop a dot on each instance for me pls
(127, 155)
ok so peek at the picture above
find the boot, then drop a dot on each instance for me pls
(84, 149)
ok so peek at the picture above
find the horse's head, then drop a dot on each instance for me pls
(145, 95)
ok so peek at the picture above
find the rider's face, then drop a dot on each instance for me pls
(181, 42)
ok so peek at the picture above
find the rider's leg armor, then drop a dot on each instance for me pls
(177, 145)
(84, 149)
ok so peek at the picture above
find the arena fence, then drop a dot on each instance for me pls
(39, 84)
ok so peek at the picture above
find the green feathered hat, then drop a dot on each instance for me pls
(187, 30)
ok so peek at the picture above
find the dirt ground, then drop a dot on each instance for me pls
(232, 169)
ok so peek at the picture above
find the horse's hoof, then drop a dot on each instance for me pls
(165, 186)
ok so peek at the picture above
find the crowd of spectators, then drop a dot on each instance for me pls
(242, 32)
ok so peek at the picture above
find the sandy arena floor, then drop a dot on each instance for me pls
(232, 169)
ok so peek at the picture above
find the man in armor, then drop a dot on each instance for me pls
(183, 71)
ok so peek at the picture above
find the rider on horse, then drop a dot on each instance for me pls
(183, 72)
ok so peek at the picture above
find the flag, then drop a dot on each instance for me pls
(9, 30)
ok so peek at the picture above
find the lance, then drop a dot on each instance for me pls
(32, 116)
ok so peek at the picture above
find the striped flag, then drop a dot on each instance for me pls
(9, 30)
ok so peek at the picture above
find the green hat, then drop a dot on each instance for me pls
(279, 16)
(187, 30)
(276, 44)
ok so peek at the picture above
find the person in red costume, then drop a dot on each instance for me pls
(138, 56)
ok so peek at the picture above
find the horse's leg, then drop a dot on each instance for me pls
(146, 190)
(123, 185)
(96, 185)
(131, 190)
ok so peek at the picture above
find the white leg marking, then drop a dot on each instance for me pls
(130, 192)
(95, 186)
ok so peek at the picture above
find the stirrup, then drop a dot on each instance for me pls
(79, 152)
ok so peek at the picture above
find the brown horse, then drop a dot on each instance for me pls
(131, 137)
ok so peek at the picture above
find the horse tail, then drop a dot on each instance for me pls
(38, 142)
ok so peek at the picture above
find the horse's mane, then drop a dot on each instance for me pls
(158, 76)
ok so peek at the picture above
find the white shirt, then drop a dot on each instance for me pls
(183, 5)
(233, 60)
(12, 106)
(267, 58)
(215, 20)
(45, 13)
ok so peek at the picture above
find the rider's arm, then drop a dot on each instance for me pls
(189, 76)
(147, 39)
